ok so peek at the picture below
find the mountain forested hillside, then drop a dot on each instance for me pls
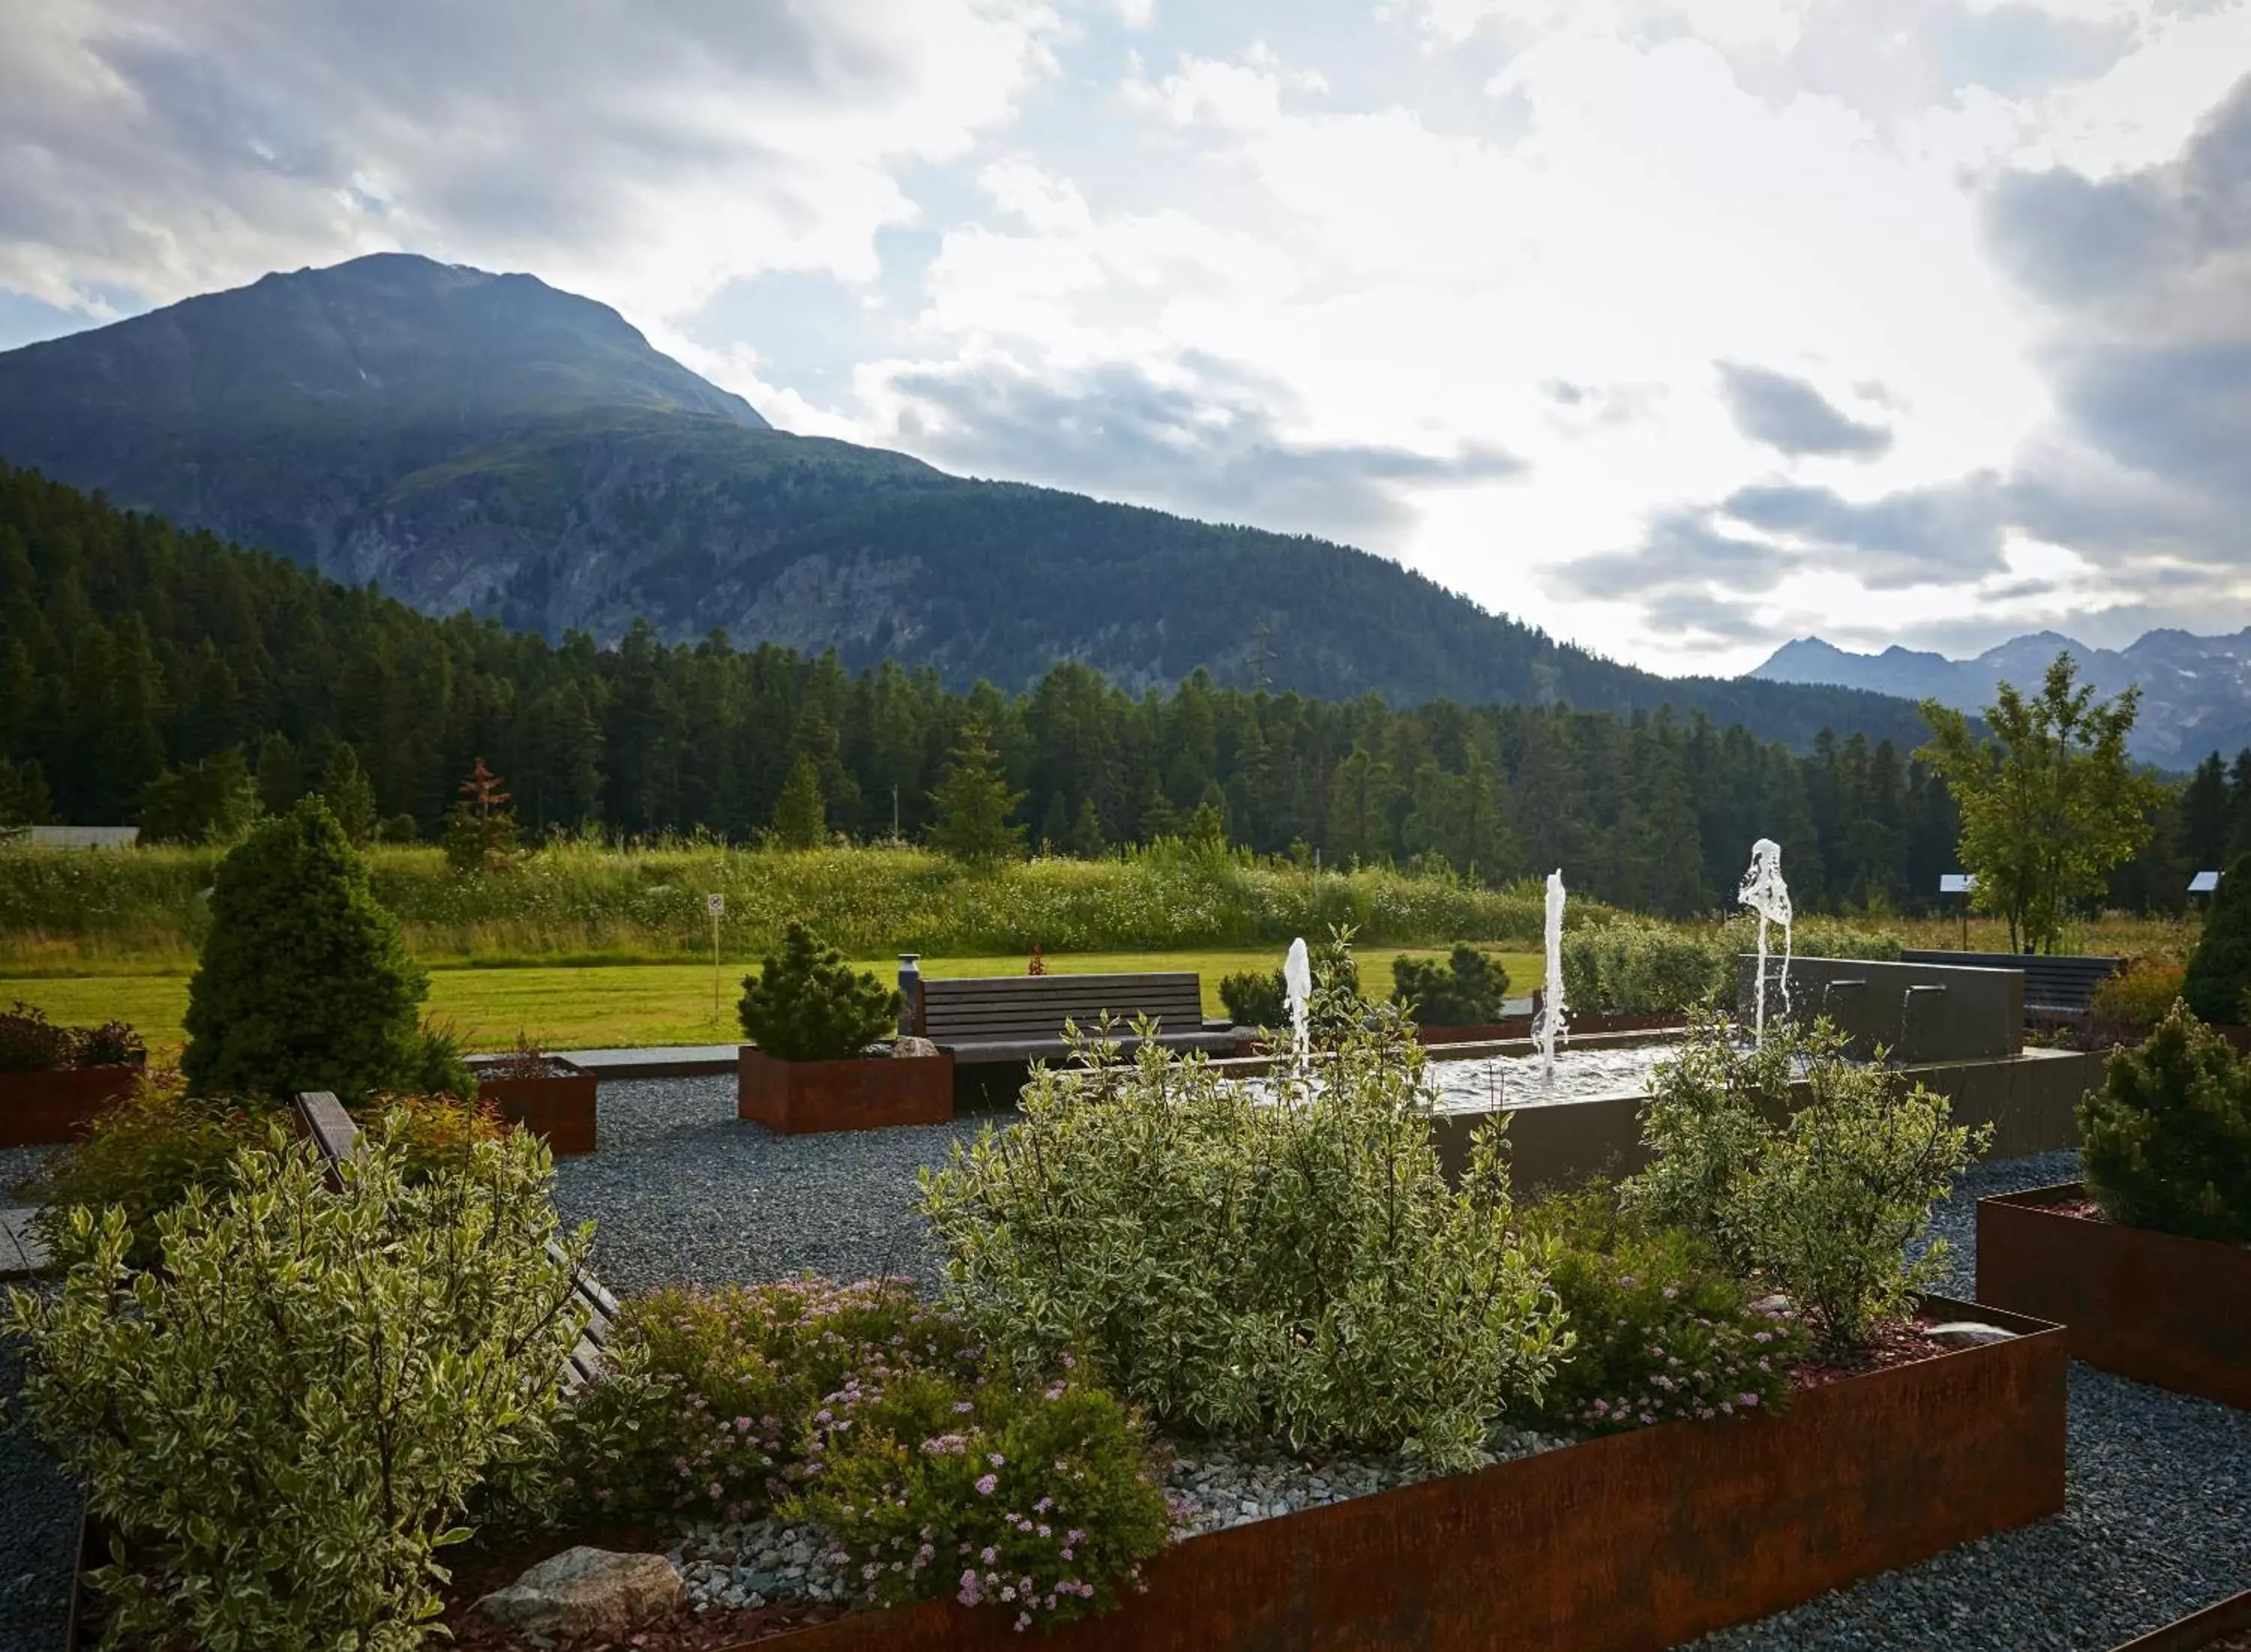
(149, 672)
(487, 442)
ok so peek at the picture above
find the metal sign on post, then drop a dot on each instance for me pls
(715, 904)
(2204, 883)
(1961, 883)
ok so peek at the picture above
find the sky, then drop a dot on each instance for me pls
(1678, 329)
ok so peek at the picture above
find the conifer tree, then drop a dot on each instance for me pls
(974, 804)
(349, 797)
(800, 819)
(1085, 840)
(481, 832)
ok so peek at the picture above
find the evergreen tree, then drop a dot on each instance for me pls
(974, 805)
(481, 832)
(344, 788)
(2204, 822)
(2220, 970)
(800, 819)
(1085, 840)
(281, 774)
(213, 801)
(304, 983)
(1055, 825)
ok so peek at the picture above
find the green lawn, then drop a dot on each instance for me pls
(613, 1005)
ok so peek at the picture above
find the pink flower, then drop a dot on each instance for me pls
(985, 1487)
(996, 1459)
(989, 1556)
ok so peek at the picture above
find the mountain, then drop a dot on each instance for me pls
(2196, 691)
(487, 442)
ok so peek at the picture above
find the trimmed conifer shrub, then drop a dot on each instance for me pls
(1465, 991)
(806, 1004)
(304, 983)
(2219, 969)
(2166, 1141)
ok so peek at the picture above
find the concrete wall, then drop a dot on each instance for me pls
(1979, 1012)
(2031, 1099)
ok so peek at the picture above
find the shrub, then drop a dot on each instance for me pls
(1256, 1001)
(2136, 998)
(2166, 1141)
(1299, 1269)
(288, 1423)
(1628, 968)
(141, 1157)
(808, 1005)
(304, 983)
(2220, 970)
(1035, 1501)
(1465, 991)
(111, 1044)
(707, 1396)
(30, 1043)
(480, 832)
(1825, 1205)
(1662, 1330)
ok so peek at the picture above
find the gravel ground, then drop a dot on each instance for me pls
(681, 1191)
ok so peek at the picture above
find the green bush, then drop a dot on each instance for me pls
(30, 1043)
(707, 1395)
(1256, 1001)
(1823, 1205)
(1465, 991)
(2166, 1141)
(808, 1005)
(2137, 997)
(144, 1155)
(287, 1423)
(1628, 968)
(1662, 1330)
(2220, 970)
(1035, 1501)
(304, 984)
(1300, 1270)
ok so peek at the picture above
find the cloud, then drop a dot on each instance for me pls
(644, 153)
(1789, 415)
(1949, 532)
(1204, 437)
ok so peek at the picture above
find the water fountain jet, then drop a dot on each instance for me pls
(1550, 1022)
(1765, 892)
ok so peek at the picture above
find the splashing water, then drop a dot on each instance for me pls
(1550, 1021)
(1765, 892)
(1297, 988)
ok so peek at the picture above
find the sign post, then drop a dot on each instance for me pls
(715, 904)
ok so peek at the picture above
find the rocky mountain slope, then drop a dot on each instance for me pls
(487, 442)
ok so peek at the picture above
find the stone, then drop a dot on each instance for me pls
(586, 1591)
(1967, 1333)
(910, 1045)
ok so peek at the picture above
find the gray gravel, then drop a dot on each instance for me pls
(682, 1191)
(39, 1527)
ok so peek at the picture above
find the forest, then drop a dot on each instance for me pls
(150, 674)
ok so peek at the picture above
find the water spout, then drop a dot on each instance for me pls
(1550, 1022)
(1765, 892)
(1297, 988)
(1907, 1010)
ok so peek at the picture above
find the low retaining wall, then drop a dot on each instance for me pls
(1978, 1014)
(2031, 1099)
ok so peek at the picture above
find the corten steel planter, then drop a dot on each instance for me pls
(2158, 1308)
(45, 1109)
(2228, 1620)
(559, 1106)
(802, 1098)
(1628, 1543)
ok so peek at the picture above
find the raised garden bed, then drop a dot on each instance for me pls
(47, 1110)
(546, 1095)
(2158, 1308)
(1636, 1540)
(2224, 1627)
(800, 1098)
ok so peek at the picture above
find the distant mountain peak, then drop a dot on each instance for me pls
(2196, 691)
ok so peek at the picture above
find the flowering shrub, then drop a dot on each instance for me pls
(1299, 1269)
(1032, 1499)
(709, 1396)
(1662, 1331)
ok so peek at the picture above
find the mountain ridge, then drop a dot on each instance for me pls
(489, 442)
(2196, 690)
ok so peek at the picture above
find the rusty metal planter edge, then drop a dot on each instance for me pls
(1630, 1543)
(2158, 1308)
(561, 1106)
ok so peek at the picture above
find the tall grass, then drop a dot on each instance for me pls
(75, 910)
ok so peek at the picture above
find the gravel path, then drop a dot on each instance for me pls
(681, 1191)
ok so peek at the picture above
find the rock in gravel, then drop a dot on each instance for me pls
(1967, 1333)
(585, 1591)
(911, 1046)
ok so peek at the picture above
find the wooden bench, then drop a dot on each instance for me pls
(2057, 988)
(1020, 1017)
(323, 1117)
